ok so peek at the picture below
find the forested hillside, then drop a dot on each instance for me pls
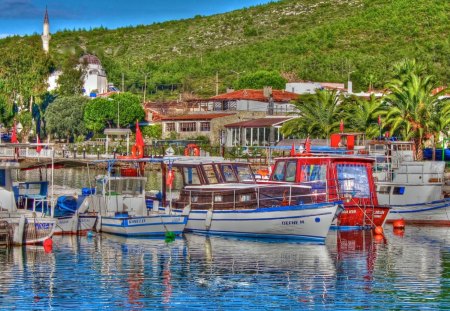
(322, 40)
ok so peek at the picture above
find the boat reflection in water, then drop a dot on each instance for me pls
(353, 270)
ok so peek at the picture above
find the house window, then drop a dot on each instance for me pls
(205, 126)
(170, 127)
(188, 127)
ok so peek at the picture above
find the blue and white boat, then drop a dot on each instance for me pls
(224, 199)
(119, 200)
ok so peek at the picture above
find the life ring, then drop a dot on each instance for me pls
(363, 151)
(137, 151)
(192, 149)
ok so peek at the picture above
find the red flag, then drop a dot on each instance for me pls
(292, 150)
(139, 138)
(341, 126)
(14, 134)
(379, 120)
(38, 147)
(307, 145)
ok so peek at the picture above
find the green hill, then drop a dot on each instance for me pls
(322, 40)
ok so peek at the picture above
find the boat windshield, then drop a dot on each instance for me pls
(245, 173)
(210, 174)
(191, 175)
(353, 179)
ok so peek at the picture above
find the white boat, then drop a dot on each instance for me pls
(120, 202)
(19, 227)
(224, 199)
(413, 189)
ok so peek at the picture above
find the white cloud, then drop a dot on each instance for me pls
(4, 35)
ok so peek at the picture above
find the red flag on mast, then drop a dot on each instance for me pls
(341, 126)
(14, 134)
(38, 147)
(139, 138)
(379, 120)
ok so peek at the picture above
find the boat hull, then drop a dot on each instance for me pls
(304, 222)
(30, 230)
(358, 217)
(432, 213)
(80, 225)
(154, 225)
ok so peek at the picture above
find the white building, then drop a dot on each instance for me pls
(95, 81)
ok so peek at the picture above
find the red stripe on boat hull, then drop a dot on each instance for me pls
(360, 216)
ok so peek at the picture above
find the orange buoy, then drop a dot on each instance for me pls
(48, 245)
(399, 232)
(378, 238)
(378, 230)
(399, 224)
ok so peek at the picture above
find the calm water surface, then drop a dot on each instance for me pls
(353, 270)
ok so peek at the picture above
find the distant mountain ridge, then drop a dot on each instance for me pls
(320, 40)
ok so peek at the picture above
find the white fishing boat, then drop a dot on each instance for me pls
(224, 199)
(19, 227)
(120, 201)
(413, 189)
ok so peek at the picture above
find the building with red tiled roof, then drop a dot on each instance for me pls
(256, 132)
(189, 126)
(266, 101)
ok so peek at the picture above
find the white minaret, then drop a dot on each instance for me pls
(46, 33)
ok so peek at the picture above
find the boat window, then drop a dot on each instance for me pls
(210, 174)
(228, 173)
(399, 190)
(384, 189)
(353, 179)
(278, 173)
(313, 172)
(291, 169)
(191, 176)
(2, 178)
(245, 173)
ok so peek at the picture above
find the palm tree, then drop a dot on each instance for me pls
(414, 111)
(362, 114)
(319, 115)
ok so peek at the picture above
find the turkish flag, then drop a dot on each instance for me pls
(341, 126)
(38, 147)
(14, 134)
(139, 138)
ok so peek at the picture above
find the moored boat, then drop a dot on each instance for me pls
(120, 201)
(348, 178)
(413, 189)
(224, 199)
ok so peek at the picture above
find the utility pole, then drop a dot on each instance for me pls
(145, 86)
(217, 83)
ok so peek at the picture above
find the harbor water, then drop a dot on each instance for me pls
(407, 269)
(353, 270)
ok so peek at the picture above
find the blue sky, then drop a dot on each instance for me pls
(25, 17)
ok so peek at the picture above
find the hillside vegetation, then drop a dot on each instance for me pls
(321, 40)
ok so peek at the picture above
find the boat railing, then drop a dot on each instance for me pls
(259, 196)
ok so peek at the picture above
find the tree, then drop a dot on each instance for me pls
(152, 131)
(319, 115)
(121, 110)
(64, 117)
(98, 113)
(128, 107)
(71, 80)
(260, 79)
(361, 115)
(414, 111)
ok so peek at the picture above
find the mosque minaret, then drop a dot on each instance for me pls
(46, 33)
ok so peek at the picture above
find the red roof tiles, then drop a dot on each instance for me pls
(257, 95)
(208, 116)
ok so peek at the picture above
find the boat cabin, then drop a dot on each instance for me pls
(337, 177)
(230, 185)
